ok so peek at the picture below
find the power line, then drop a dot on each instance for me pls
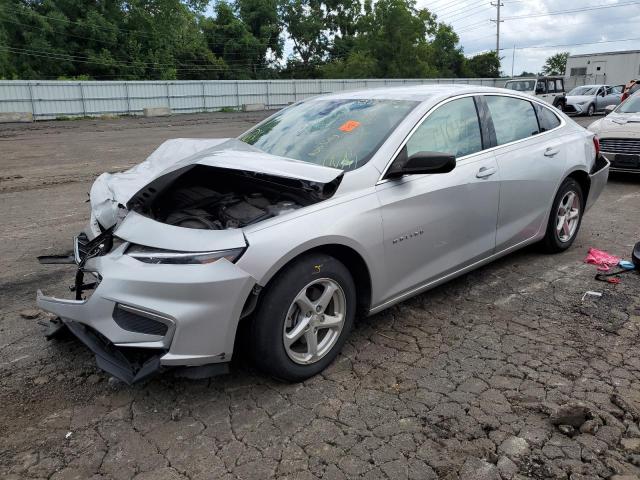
(565, 45)
(117, 63)
(112, 42)
(575, 10)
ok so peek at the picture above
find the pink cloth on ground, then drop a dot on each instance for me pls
(604, 260)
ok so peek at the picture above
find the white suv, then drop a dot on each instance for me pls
(548, 89)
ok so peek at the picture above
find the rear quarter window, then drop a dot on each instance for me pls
(513, 118)
(546, 118)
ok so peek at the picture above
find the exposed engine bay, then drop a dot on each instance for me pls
(218, 199)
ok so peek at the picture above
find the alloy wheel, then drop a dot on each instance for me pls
(314, 321)
(568, 216)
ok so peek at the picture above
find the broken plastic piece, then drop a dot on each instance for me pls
(591, 293)
(626, 264)
(603, 259)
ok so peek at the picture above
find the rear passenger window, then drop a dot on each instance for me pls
(452, 128)
(513, 118)
(546, 118)
(559, 86)
(551, 86)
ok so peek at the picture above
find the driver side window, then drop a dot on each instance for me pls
(453, 128)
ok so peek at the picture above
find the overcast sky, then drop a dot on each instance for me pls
(471, 20)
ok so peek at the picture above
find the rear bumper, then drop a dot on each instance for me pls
(599, 176)
(181, 315)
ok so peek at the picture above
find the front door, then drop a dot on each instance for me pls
(436, 224)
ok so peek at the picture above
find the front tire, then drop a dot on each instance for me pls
(591, 110)
(304, 318)
(565, 217)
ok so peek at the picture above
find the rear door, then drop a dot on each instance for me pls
(436, 224)
(531, 158)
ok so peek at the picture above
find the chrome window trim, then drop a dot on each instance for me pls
(563, 122)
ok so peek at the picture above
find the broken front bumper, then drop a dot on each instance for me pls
(179, 315)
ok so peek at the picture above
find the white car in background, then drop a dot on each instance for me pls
(547, 89)
(619, 134)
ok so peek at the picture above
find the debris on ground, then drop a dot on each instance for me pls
(574, 414)
(591, 293)
(30, 313)
(602, 259)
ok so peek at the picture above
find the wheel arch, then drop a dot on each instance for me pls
(582, 177)
(349, 256)
(353, 260)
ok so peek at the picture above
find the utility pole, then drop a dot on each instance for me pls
(498, 4)
(513, 59)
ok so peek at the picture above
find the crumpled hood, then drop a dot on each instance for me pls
(111, 191)
(577, 99)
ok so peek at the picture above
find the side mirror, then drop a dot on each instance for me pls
(609, 108)
(420, 163)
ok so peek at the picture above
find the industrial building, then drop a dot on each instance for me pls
(613, 68)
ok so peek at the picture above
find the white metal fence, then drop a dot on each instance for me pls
(52, 99)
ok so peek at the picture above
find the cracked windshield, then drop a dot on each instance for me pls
(335, 133)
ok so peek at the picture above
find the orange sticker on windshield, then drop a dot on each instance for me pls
(349, 125)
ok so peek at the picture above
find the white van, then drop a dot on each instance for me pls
(548, 89)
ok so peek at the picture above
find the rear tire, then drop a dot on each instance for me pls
(313, 297)
(565, 217)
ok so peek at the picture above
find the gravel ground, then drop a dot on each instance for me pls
(503, 373)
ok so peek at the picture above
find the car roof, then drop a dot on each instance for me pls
(419, 93)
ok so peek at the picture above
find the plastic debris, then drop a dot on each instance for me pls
(591, 293)
(602, 259)
(68, 435)
(626, 264)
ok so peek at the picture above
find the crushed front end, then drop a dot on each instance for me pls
(139, 317)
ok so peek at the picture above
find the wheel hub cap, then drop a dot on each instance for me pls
(314, 321)
(568, 216)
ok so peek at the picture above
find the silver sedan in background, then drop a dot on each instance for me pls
(589, 99)
(338, 205)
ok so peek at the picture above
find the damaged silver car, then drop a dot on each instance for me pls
(338, 205)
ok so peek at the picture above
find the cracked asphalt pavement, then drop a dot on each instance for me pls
(504, 373)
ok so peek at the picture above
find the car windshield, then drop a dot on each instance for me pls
(339, 133)
(521, 85)
(583, 91)
(631, 105)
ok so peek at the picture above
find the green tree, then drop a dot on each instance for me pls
(556, 64)
(306, 25)
(445, 54)
(484, 65)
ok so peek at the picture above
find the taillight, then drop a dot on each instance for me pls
(596, 144)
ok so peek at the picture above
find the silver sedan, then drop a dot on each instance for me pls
(337, 206)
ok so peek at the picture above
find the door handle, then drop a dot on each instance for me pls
(550, 152)
(485, 172)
